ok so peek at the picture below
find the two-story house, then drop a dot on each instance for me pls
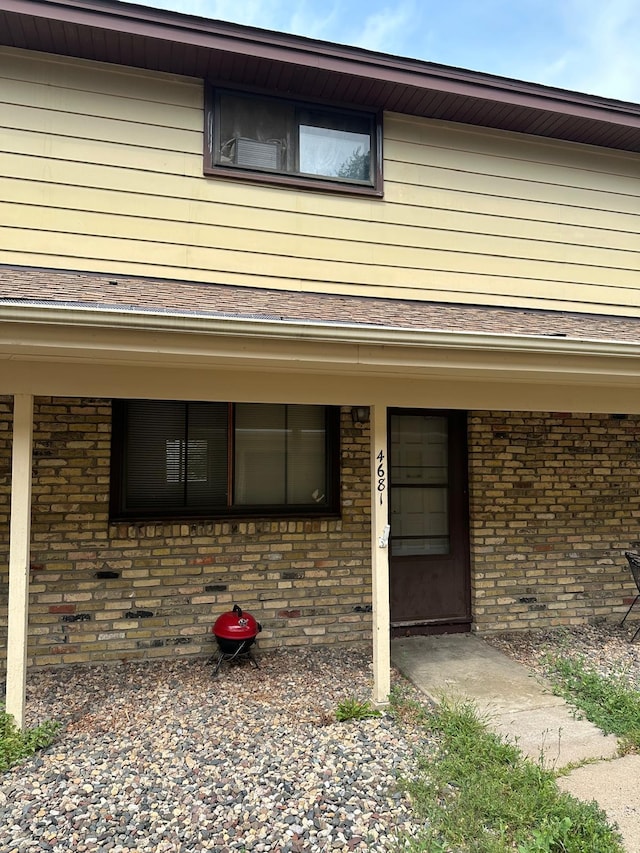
(349, 339)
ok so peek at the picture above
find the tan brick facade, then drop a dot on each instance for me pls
(103, 592)
(554, 502)
(553, 498)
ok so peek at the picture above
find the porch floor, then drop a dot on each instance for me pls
(519, 705)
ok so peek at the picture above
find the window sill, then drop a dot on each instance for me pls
(293, 182)
(220, 518)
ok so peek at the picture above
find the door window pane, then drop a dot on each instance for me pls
(419, 502)
(419, 449)
(420, 512)
(420, 520)
(420, 547)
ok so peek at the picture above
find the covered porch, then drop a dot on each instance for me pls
(100, 355)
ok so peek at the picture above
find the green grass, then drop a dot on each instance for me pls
(16, 744)
(354, 709)
(607, 701)
(479, 794)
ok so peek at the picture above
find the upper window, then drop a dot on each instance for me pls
(178, 459)
(275, 139)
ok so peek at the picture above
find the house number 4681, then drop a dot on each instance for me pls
(382, 475)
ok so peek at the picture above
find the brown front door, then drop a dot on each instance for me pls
(429, 556)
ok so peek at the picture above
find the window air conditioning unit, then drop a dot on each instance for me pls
(254, 154)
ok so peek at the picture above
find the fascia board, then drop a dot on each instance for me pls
(78, 319)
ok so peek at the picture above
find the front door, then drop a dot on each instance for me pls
(429, 556)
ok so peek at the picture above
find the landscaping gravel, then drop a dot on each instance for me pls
(604, 647)
(163, 757)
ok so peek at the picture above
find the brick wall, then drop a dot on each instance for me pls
(555, 500)
(105, 592)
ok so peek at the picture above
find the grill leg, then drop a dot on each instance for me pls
(241, 652)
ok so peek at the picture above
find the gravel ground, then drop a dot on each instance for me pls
(162, 757)
(604, 647)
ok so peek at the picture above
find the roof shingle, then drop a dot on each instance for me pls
(96, 291)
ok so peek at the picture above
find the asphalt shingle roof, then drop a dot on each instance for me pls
(98, 291)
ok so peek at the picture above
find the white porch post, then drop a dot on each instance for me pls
(19, 556)
(380, 555)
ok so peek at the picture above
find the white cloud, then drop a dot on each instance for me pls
(256, 13)
(387, 29)
(362, 23)
(316, 25)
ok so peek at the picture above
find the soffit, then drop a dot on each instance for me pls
(158, 40)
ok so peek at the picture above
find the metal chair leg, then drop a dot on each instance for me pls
(629, 610)
(633, 558)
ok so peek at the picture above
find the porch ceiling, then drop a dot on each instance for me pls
(75, 352)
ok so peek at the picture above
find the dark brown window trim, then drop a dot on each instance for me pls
(291, 181)
(287, 180)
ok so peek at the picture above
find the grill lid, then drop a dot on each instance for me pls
(236, 625)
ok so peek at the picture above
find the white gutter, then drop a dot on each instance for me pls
(363, 334)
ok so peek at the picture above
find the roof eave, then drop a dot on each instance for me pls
(170, 27)
(80, 318)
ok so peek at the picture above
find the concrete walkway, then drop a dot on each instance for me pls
(517, 704)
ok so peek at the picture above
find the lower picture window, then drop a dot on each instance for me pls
(180, 459)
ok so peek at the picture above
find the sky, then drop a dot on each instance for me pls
(590, 46)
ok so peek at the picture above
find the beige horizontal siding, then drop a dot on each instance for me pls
(248, 267)
(212, 200)
(21, 66)
(500, 235)
(73, 101)
(104, 172)
(496, 255)
(421, 178)
(56, 129)
(493, 153)
(137, 159)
